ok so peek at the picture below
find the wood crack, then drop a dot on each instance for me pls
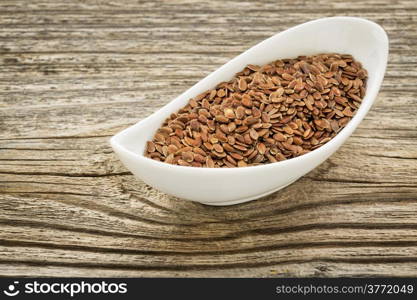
(162, 252)
(195, 267)
(68, 174)
(232, 236)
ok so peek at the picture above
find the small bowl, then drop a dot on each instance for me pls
(365, 40)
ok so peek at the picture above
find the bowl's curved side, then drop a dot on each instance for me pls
(365, 40)
(221, 186)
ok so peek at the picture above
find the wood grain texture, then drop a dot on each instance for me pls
(73, 73)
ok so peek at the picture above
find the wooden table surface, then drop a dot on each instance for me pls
(73, 73)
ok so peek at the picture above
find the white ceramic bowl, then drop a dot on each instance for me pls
(365, 40)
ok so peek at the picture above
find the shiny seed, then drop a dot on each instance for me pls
(279, 137)
(150, 146)
(246, 101)
(188, 156)
(242, 84)
(229, 113)
(253, 134)
(218, 148)
(209, 162)
(240, 112)
(261, 148)
(241, 163)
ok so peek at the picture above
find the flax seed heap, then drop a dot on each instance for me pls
(264, 114)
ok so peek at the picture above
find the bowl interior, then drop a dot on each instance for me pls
(363, 39)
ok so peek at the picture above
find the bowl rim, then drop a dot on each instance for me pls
(342, 135)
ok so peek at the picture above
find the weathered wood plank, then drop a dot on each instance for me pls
(73, 73)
